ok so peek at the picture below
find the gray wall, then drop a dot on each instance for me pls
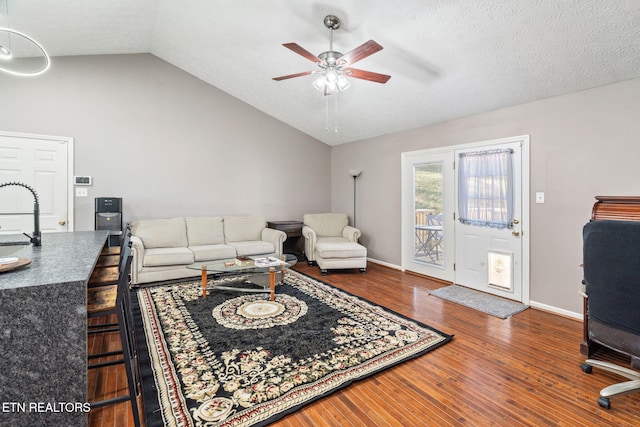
(582, 145)
(166, 142)
(170, 145)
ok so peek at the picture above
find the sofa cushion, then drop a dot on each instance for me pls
(212, 252)
(204, 230)
(253, 247)
(167, 256)
(326, 224)
(161, 233)
(329, 249)
(243, 228)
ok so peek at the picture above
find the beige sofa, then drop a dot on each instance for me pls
(162, 248)
(331, 243)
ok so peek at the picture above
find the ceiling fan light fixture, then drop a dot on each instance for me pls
(331, 82)
(320, 83)
(343, 83)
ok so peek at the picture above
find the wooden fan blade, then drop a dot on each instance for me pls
(361, 52)
(301, 51)
(368, 75)
(290, 76)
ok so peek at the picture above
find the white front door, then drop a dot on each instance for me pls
(43, 164)
(490, 258)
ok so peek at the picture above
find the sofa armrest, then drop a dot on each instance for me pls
(137, 250)
(310, 239)
(275, 237)
(350, 233)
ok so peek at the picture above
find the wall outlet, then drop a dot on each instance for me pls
(539, 197)
(81, 192)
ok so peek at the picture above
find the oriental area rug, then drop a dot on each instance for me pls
(238, 359)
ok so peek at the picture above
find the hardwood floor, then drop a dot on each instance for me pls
(522, 371)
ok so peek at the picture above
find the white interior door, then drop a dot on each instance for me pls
(42, 163)
(488, 258)
(427, 206)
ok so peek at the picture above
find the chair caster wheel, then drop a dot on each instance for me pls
(324, 272)
(363, 270)
(604, 402)
(586, 368)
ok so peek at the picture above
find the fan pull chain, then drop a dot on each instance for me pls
(335, 114)
(326, 115)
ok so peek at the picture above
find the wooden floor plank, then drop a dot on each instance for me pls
(521, 371)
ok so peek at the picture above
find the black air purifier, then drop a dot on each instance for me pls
(109, 217)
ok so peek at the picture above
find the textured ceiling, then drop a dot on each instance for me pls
(447, 58)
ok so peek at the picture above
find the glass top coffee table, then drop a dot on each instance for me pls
(264, 265)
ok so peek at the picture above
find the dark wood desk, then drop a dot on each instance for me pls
(295, 241)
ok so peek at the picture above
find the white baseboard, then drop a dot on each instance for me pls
(556, 310)
(386, 264)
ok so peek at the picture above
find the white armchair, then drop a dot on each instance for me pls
(331, 243)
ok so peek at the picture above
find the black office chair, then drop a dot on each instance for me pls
(611, 256)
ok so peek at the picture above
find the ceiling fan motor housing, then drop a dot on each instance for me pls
(330, 57)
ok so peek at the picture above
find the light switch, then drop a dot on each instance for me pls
(81, 192)
(539, 197)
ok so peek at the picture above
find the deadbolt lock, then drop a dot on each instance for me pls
(515, 221)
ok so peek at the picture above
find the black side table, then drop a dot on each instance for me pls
(295, 241)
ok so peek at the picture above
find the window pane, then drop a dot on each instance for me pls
(428, 224)
(485, 189)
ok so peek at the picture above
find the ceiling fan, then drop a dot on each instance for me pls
(334, 67)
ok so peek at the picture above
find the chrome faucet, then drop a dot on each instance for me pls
(36, 238)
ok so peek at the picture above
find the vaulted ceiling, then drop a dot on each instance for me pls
(447, 58)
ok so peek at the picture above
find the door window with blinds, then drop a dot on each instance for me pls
(485, 191)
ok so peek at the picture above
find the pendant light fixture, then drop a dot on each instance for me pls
(20, 54)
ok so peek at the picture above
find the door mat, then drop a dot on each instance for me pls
(481, 301)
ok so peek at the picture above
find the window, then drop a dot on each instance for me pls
(485, 195)
(428, 198)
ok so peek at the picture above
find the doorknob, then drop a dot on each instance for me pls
(515, 233)
(62, 222)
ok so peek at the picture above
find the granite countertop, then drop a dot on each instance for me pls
(13, 239)
(62, 258)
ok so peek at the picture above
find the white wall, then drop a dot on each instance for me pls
(166, 142)
(582, 145)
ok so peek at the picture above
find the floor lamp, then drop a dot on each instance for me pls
(355, 173)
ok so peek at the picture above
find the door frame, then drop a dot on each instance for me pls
(70, 168)
(407, 240)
